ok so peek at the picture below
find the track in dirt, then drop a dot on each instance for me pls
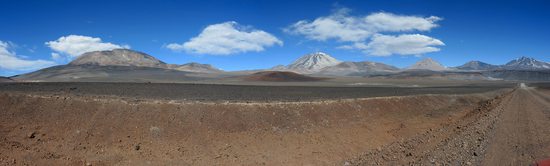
(522, 134)
(510, 130)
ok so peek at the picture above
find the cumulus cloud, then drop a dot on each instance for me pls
(227, 38)
(388, 22)
(407, 44)
(338, 26)
(358, 30)
(76, 45)
(11, 61)
(56, 56)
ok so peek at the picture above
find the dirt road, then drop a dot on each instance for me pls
(511, 130)
(522, 134)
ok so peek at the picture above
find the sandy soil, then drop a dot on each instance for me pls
(490, 128)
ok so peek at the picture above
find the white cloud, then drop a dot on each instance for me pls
(227, 38)
(388, 22)
(338, 26)
(407, 44)
(76, 45)
(56, 56)
(358, 30)
(344, 27)
(11, 61)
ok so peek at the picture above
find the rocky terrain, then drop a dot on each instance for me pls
(71, 125)
(58, 126)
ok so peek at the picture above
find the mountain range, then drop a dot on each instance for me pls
(324, 64)
(134, 65)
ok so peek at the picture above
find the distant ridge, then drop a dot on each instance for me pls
(358, 68)
(5, 79)
(195, 67)
(427, 64)
(476, 65)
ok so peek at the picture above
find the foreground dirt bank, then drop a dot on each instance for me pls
(61, 130)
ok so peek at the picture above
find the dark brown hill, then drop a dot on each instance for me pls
(280, 76)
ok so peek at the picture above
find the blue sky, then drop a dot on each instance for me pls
(490, 31)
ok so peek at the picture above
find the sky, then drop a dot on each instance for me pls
(252, 34)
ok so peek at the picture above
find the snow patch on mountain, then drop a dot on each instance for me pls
(312, 62)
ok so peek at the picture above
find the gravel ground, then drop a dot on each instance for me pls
(204, 92)
(511, 129)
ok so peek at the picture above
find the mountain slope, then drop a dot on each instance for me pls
(312, 62)
(523, 75)
(126, 57)
(195, 67)
(427, 64)
(526, 63)
(95, 73)
(118, 57)
(5, 79)
(476, 65)
(358, 68)
(119, 65)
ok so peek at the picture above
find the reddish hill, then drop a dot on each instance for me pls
(282, 76)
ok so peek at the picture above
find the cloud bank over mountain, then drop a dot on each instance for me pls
(76, 45)
(9, 60)
(367, 33)
(227, 38)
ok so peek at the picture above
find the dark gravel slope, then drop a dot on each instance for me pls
(202, 92)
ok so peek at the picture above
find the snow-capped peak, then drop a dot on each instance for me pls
(526, 63)
(313, 62)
